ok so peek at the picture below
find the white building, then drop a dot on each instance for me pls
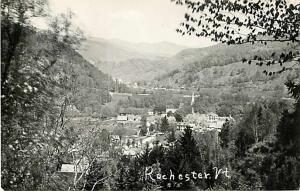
(122, 118)
(203, 122)
(150, 113)
(170, 110)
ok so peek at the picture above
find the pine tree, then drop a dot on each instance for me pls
(157, 154)
(286, 171)
(190, 155)
(189, 150)
(143, 131)
(164, 124)
(224, 134)
(171, 138)
(178, 117)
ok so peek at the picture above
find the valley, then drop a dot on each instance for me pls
(216, 73)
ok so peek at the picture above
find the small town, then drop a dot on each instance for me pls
(133, 134)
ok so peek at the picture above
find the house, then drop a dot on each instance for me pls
(182, 125)
(130, 152)
(115, 138)
(204, 122)
(196, 118)
(212, 117)
(67, 168)
(150, 113)
(134, 118)
(122, 118)
(171, 110)
(72, 168)
(216, 122)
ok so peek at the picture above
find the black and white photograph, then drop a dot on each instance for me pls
(150, 95)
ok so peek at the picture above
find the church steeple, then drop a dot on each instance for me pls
(192, 102)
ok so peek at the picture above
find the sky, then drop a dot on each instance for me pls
(131, 20)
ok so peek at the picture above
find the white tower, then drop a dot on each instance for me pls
(192, 101)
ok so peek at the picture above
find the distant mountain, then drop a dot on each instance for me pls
(129, 61)
(144, 61)
(98, 49)
(160, 49)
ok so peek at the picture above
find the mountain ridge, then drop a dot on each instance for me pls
(130, 65)
(120, 50)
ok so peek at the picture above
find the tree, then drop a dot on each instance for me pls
(102, 175)
(225, 134)
(159, 109)
(287, 147)
(164, 124)
(157, 154)
(13, 18)
(189, 146)
(170, 113)
(244, 141)
(128, 143)
(242, 22)
(35, 94)
(143, 126)
(120, 131)
(288, 132)
(152, 127)
(188, 156)
(178, 117)
(134, 175)
(171, 137)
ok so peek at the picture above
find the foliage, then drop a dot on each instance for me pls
(102, 175)
(286, 148)
(40, 76)
(34, 99)
(159, 109)
(120, 131)
(143, 126)
(224, 134)
(178, 117)
(164, 124)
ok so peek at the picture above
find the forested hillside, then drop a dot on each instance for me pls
(126, 70)
(90, 85)
(223, 81)
(222, 54)
(124, 60)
